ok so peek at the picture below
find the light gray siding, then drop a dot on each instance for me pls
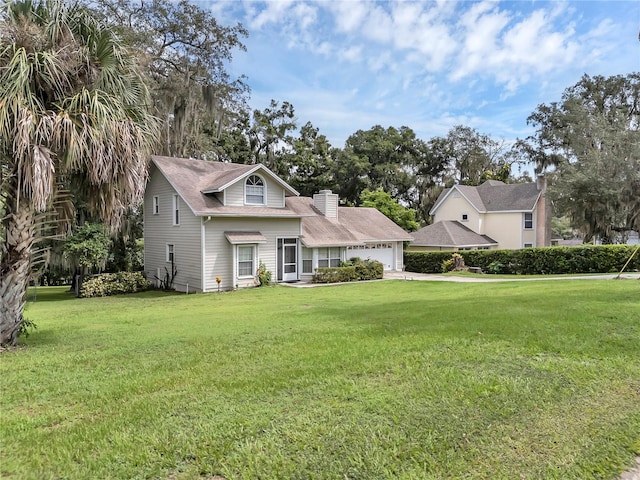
(234, 194)
(219, 252)
(275, 194)
(160, 231)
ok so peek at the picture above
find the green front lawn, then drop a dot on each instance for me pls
(394, 379)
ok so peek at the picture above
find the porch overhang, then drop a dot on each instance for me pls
(238, 238)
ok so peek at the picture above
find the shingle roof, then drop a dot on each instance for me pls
(191, 177)
(496, 196)
(450, 233)
(245, 237)
(354, 225)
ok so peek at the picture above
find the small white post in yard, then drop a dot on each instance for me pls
(187, 289)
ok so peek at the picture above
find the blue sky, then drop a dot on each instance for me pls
(429, 65)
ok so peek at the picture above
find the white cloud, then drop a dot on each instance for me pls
(380, 61)
(305, 15)
(349, 15)
(431, 64)
(273, 12)
(513, 48)
(352, 54)
(323, 48)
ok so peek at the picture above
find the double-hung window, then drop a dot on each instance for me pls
(246, 267)
(307, 260)
(170, 252)
(528, 221)
(329, 257)
(156, 205)
(176, 210)
(254, 190)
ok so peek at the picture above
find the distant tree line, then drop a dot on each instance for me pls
(587, 143)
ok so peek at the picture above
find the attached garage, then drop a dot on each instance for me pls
(382, 252)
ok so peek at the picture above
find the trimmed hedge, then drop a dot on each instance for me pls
(532, 261)
(366, 269)
(352, 270)
(114, 284)
(335, 274)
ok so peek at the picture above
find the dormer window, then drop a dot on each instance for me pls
(254, 190)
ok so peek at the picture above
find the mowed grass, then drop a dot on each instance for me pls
(392, 379)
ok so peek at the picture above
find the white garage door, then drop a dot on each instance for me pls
(382, 252)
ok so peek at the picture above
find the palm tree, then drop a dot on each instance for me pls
(74, 109)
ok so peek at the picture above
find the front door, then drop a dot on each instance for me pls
(289, 259)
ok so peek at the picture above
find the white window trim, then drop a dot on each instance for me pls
(172, 247)
(254, 267)
(156, 205)
(524, 221)
(303, 260)
(264, 191)
(329, 258)
(528, 245)
(176, 210)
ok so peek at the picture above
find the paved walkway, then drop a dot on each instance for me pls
(634, 473)
(433, 277)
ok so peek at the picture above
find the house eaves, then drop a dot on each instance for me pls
(248, 214)
(486, 198)
(175, 187)
(466, 197)
(245, 174)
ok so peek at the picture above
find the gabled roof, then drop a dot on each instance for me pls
(495, 196)
(192, 179)
(450, 233)
(354, 226)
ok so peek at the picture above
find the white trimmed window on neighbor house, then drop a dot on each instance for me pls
(528, 221)
(156, 205)
(170, 252)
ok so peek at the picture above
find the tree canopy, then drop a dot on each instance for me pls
(73, 109)
(385, 204)
(590, 141)
(186, 53)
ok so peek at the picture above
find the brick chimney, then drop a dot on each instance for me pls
(543, 214)
(327, 203)
(541, 182)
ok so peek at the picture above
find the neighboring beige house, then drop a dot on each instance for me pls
(489, 216)
(214, 219)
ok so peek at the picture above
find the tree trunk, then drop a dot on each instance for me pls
(15, 269)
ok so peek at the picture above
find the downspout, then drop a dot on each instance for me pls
(234, 249)
(203, 253)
